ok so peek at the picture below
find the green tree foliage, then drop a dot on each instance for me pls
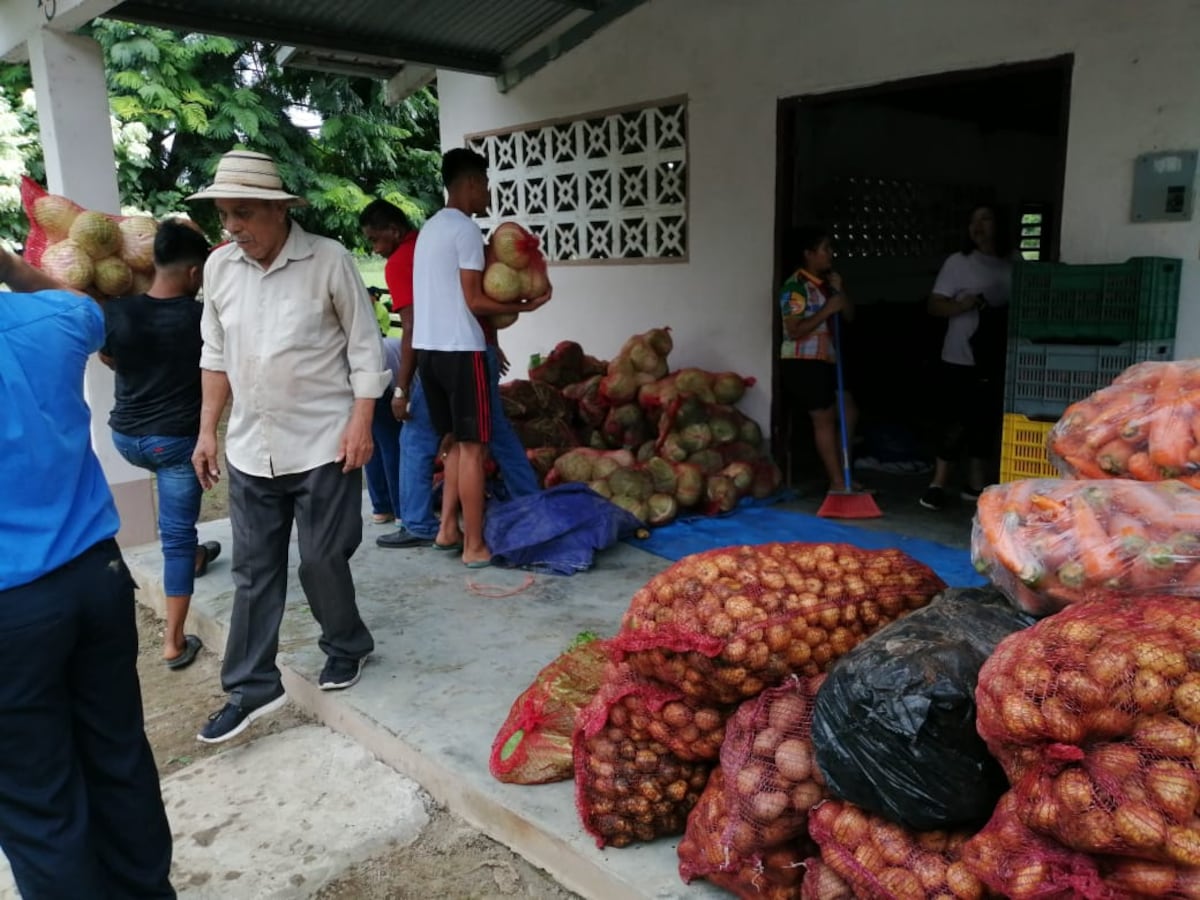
(180, 101)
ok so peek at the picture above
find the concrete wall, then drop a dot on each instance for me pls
(1132, 91)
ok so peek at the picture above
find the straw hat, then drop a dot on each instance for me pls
(246, 175)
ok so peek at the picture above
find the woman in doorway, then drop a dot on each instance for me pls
(809, 298)
(972, 292)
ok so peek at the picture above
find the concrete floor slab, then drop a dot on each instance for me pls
(454, 647)
(282, 816)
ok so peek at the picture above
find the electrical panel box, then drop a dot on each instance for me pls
(1164, 186)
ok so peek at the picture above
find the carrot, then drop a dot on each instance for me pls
(1152, 569)
(1171, 439)
(1140, 467)
(1085, 467)
(1142, 375)
(1011, 552)
(1145, 502)
(1113, 457)
(1096, 552)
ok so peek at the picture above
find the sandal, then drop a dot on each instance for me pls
(211, 550)
(191, 647)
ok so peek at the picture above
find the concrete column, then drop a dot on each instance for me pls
(72, 107)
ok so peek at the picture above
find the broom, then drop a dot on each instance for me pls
(847, 504)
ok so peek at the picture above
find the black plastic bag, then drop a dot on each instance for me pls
(894, 723)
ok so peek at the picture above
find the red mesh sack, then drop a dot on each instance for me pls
(772, 779)
(822, 883)
(533, 745)
(87, 250)
(1013, 861)
(628, 786)
(1140, 427)
(1094, 714)
(775, 874)
(1048, 543)
(725, 624)
(884, 861)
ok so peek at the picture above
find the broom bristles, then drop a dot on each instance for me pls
(849, 505)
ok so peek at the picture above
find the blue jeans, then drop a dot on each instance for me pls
(179, 491)
(419, 443)
(382, 470)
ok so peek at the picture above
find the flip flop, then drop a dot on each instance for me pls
(478, 564)
(191, 647)
(448, 548)
(212, 550)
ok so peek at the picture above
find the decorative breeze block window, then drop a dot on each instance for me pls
(605, 186)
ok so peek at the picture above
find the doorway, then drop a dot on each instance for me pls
(893, 172)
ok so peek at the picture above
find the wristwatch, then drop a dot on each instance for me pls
(398, 393)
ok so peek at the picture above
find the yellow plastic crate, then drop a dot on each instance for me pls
(1023, 449)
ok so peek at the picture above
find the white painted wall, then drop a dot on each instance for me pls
(1133, 90)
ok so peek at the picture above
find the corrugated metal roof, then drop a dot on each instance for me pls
(483, 36)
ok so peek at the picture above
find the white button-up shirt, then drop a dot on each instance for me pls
(299, 343)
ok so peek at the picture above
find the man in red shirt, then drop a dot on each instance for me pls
(391, 235)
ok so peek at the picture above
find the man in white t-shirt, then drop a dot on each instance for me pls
(451, 348)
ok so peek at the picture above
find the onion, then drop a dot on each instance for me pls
(1183, 843)
(962, 882)
(1139, 825)
(1143, 878)
(1165, 735)
(903, 884)
(1173, 787)
(851, 827)
(1187, 699)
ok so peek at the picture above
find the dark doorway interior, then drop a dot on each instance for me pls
(894, 171)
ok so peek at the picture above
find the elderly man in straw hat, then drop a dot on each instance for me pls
(290, 335)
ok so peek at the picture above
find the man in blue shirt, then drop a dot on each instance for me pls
(81, 814)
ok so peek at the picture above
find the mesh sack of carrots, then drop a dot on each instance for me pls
(881, 860)
(533, 745)
(1048, 543)
(1094, 714)
(1145, 426)
(774, 875)
(1013, 861)
(628, 786)
(725, 624)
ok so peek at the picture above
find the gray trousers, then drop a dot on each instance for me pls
(326, 506)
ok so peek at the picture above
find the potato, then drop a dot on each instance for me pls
(794, 759)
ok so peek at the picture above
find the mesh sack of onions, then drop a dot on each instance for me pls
(1093, 713)
(725, 624)
(774, 875)
(1014, 861)
(628, 785)
(884, 861)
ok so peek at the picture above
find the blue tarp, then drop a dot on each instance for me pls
(759, 524)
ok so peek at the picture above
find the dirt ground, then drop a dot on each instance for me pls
(450, 860)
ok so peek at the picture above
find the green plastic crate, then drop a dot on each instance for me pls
(1136, 300)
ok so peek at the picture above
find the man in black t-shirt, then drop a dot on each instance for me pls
(152, 342)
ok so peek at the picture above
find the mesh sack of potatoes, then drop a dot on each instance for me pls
(1093, 713)
(774, 875)
(725, 624)
(884, 861)
(628, 786)
(822, 883)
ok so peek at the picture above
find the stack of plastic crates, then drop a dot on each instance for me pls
(1072, 330)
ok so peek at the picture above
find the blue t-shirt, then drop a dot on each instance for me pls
(56, 502)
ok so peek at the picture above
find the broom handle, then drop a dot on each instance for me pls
(841, 399)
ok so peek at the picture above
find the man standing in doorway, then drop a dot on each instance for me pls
(81, 814)
(290, 335)
(451, 349)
